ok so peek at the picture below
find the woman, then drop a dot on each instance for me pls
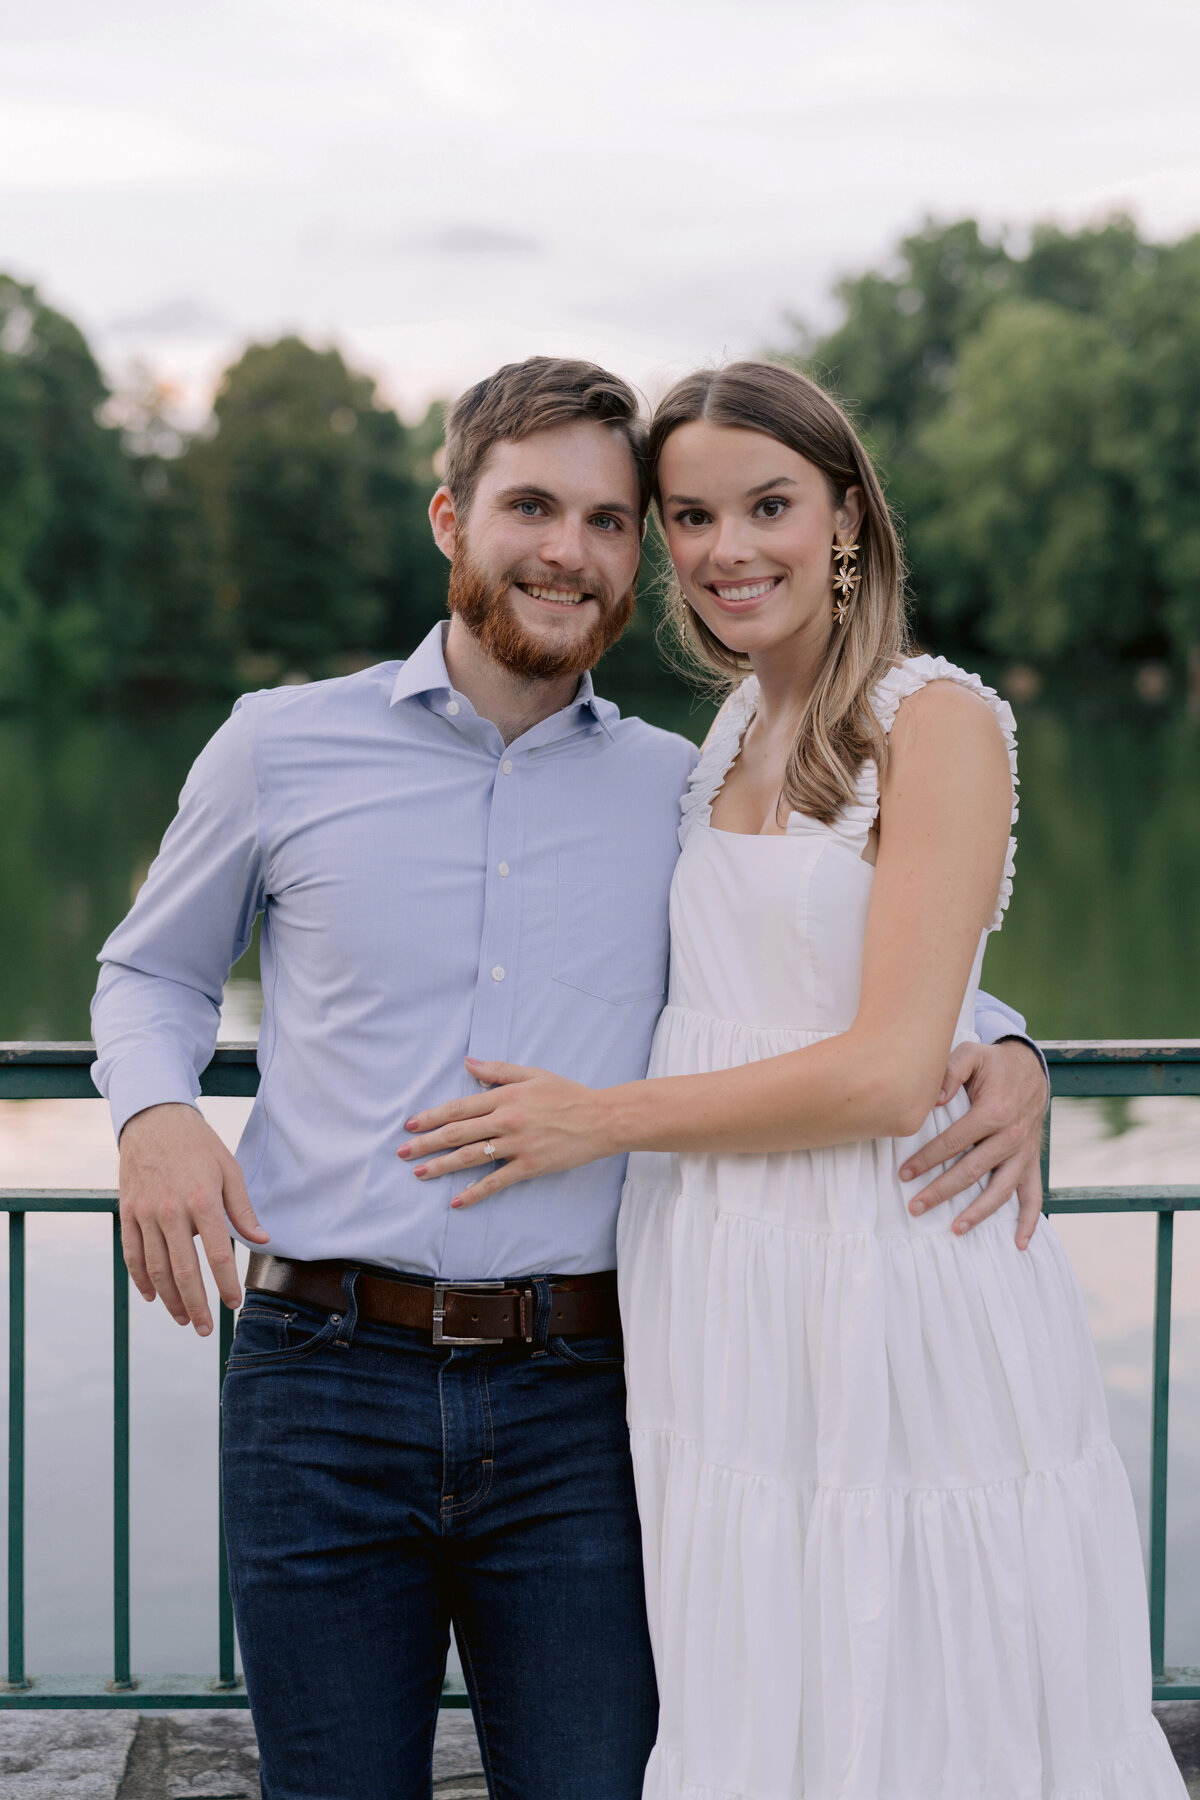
(890, 1549)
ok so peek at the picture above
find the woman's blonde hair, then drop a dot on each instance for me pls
(838, 730)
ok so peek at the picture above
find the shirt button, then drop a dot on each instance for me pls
(503, 868)
(506, 767)
(497, 973)
(452, 708)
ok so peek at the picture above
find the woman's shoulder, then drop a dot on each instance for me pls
(956, 720)
(933, 685)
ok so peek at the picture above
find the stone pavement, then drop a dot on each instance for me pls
(211, 1755)
(197, 1755)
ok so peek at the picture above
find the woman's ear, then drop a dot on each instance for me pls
(849, 515)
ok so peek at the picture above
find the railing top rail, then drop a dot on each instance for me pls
(68, 1054)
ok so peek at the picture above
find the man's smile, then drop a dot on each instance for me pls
(552, 596)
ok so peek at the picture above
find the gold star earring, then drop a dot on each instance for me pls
(845, 577)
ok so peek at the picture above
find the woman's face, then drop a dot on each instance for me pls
(750, 526)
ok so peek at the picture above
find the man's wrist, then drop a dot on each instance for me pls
(1019, 1037)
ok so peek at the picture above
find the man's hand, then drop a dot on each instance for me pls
(1000, 1135)
(178, 1182)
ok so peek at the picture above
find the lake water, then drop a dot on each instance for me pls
(1101, 941)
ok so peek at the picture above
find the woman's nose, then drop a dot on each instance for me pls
(728, 546)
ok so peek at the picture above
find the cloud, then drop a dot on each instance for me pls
(59, 144)
(473, 240)
(180, 318)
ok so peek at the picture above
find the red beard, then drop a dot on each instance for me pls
(486, 611)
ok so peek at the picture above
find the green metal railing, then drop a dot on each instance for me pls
(61, 1071)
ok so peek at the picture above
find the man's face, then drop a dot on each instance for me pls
(543, 568)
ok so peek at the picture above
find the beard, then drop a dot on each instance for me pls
(483, 605)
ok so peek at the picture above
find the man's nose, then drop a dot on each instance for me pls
(564, 544)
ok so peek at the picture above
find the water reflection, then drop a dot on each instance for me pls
(1100, 940)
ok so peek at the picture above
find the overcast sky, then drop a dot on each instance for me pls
(441, 187)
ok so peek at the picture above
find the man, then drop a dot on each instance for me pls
(467, 853)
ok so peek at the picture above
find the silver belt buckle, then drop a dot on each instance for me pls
(441, 1289)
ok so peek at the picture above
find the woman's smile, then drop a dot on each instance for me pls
(742, 596)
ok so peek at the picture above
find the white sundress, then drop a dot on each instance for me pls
(890, 1549)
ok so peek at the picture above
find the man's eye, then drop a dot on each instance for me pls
(772, 507)
(529, 509)
(607, 521)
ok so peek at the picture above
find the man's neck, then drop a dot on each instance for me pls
(512, 703)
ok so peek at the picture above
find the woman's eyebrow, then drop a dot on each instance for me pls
(777, 481)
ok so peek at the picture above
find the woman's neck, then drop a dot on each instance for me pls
(787, 674)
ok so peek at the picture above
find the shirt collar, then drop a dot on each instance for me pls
(424, 672)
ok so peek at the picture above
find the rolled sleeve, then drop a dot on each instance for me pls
(163, 970)
(995, 1021)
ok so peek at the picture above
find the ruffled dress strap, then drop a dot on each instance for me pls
(720, 751)
(908, 677)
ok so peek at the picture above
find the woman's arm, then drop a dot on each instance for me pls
(944, 824)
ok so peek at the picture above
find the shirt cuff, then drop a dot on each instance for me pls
(154, 1076)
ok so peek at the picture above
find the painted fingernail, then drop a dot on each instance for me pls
(405, 1150)
(422, 1170)
(411, 1125)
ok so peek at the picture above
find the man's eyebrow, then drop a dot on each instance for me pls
(525, 490)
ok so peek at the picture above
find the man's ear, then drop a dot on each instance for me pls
(444, 521)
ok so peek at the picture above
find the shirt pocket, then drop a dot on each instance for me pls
(610, 936)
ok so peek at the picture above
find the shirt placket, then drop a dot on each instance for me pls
(499, 956)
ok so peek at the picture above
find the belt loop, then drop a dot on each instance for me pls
(349, 1320)
(542, 1305)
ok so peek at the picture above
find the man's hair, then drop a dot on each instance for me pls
(530, 396)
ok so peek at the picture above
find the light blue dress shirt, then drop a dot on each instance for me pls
(428, 893)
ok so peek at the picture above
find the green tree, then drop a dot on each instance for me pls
(68, 508)
(1034, 547)
(314, 505)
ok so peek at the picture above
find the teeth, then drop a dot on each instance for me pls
(751, 592)
(564, 596)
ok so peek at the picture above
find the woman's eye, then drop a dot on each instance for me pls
(772, 507)
(691, 517)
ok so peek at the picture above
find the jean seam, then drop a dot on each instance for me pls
(250, 1357)
(458, 1509)
(472, 1680)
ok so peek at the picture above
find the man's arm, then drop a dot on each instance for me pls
(1000, 1138)
(155, 1019)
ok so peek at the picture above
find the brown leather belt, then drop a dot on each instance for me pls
(455, 1312)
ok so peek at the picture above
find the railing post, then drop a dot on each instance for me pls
(1158, 1451)
(16, 1451)
(226, 1671)
(122, 1678)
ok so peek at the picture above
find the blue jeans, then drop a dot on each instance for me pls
(377, 1488)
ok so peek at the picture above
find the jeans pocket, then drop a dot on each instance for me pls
(590, 1352)
(273, 1330)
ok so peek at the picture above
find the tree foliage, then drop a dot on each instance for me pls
(1038, 420)
(1035, 410)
